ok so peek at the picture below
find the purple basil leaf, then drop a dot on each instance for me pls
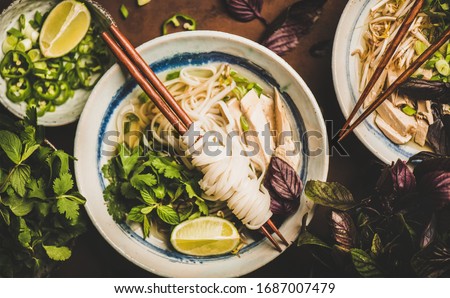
(429, 233)
(283, 207)
(344, 231)
(436, 186)
(403, 179)
(396, 179)
(432, 261)
(245, 10)
(282, 180)
(438, 135)
(297, 20)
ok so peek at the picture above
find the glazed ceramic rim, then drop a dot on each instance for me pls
(141, 255)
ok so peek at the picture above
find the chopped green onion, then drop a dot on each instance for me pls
(22, 22)
(408, 110)
(173, 75)
(443, 67)
(419, 47)
(15, 32)
(143, 97)
(244, 124)
(24, 45)
(124, 11)
(34, 54)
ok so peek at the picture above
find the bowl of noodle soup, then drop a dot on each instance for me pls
(405, 123)
(198, 60)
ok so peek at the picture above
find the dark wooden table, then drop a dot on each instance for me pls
(94, 257)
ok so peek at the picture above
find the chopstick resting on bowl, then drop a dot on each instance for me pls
(155, 89)
(399, 81)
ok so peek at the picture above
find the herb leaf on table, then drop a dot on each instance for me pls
(284, 33)
(401, 229)
(39, 205)
(245, 10)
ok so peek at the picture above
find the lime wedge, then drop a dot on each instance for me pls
(64, 28)
(205, 236)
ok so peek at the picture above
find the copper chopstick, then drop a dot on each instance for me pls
(402, 31)
(150, 75)
(400, 80)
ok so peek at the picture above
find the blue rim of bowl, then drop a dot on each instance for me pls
(196, 59)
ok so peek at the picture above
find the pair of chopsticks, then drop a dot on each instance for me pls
(155, 89)
(403, 30)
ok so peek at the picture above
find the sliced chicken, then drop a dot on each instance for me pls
(259, 127)
(269, 110)
(397, 99)
(424, 111)
(421, 133)
(286, 148)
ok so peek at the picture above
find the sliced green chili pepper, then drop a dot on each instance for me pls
(48, 90)
(73, 80)
(18, 89)
(189, 23)
(48, 70)
(89, 70)
(64, 95)
(15, 64)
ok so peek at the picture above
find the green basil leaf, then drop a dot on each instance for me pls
(168, 215)
(135, 214)
(376, 247)
(11, 144)
(148, 197)
(20, 176)
(364, 263)
(330, 194)
(146, 227)
(306, 238)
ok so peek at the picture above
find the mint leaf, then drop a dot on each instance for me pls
(20, 176)
(63, 184)
(306, 238)
(168, 215)
(146, 226)
(148, 198)
(140, 182)
(330, 194)
(135, 214)
(5, 215)
(170, 169)
(202, 207)
(28, 152)
(68, 207)
(364, 263)
(128, 160)
(24, 236)
(11, 144)
(61, 253)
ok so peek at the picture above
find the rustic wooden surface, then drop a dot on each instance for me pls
(94, 257)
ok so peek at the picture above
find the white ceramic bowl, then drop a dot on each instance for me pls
(173, 51)
(346, 77)
(64, 114)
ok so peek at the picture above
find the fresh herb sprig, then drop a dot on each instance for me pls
(402, 229)
(151, 187)
(39, 206)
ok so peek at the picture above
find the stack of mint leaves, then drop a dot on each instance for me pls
(39, 206)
